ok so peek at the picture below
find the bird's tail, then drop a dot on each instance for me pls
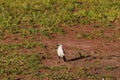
(64, 58)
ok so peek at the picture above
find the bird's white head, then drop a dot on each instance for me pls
(59, 45)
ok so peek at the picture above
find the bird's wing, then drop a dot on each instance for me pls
(63, 51)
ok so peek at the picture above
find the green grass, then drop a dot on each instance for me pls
(50, 13)
(13, 65)
(110, 67)
(23, 45)
(85, 35)
(54, 68)
(20, 16)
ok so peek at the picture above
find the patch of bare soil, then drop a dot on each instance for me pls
(100, 56)
(101, 51)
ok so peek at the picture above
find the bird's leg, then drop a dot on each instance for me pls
(58, 59)
(64, 58)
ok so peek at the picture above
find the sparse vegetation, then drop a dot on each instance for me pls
(18, 20)
(110, 67)
(85, 35)
(13, 65)
(24, 45)
(48, 13)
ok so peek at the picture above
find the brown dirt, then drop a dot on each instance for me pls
(105, 52)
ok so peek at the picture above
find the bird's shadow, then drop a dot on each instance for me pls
(77, 58)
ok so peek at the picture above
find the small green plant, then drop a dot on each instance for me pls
(30, 45)
(54, 68)
(62, 76)
(109, 77)
(85, 35)
(110, 67)
(1, 35)
(100, 34)
(92, 76)
(45, 32)
(44, 46)
(57, 68)
(14, 29)
(58, 30)
(33, 31)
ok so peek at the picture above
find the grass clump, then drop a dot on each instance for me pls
(13, 65)
(110, 67)
(5, 48)
(54, 68)
(63, 76)
(92, 35)
(85, 35)
(58, 30)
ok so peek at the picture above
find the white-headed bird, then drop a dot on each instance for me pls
(61, 53)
